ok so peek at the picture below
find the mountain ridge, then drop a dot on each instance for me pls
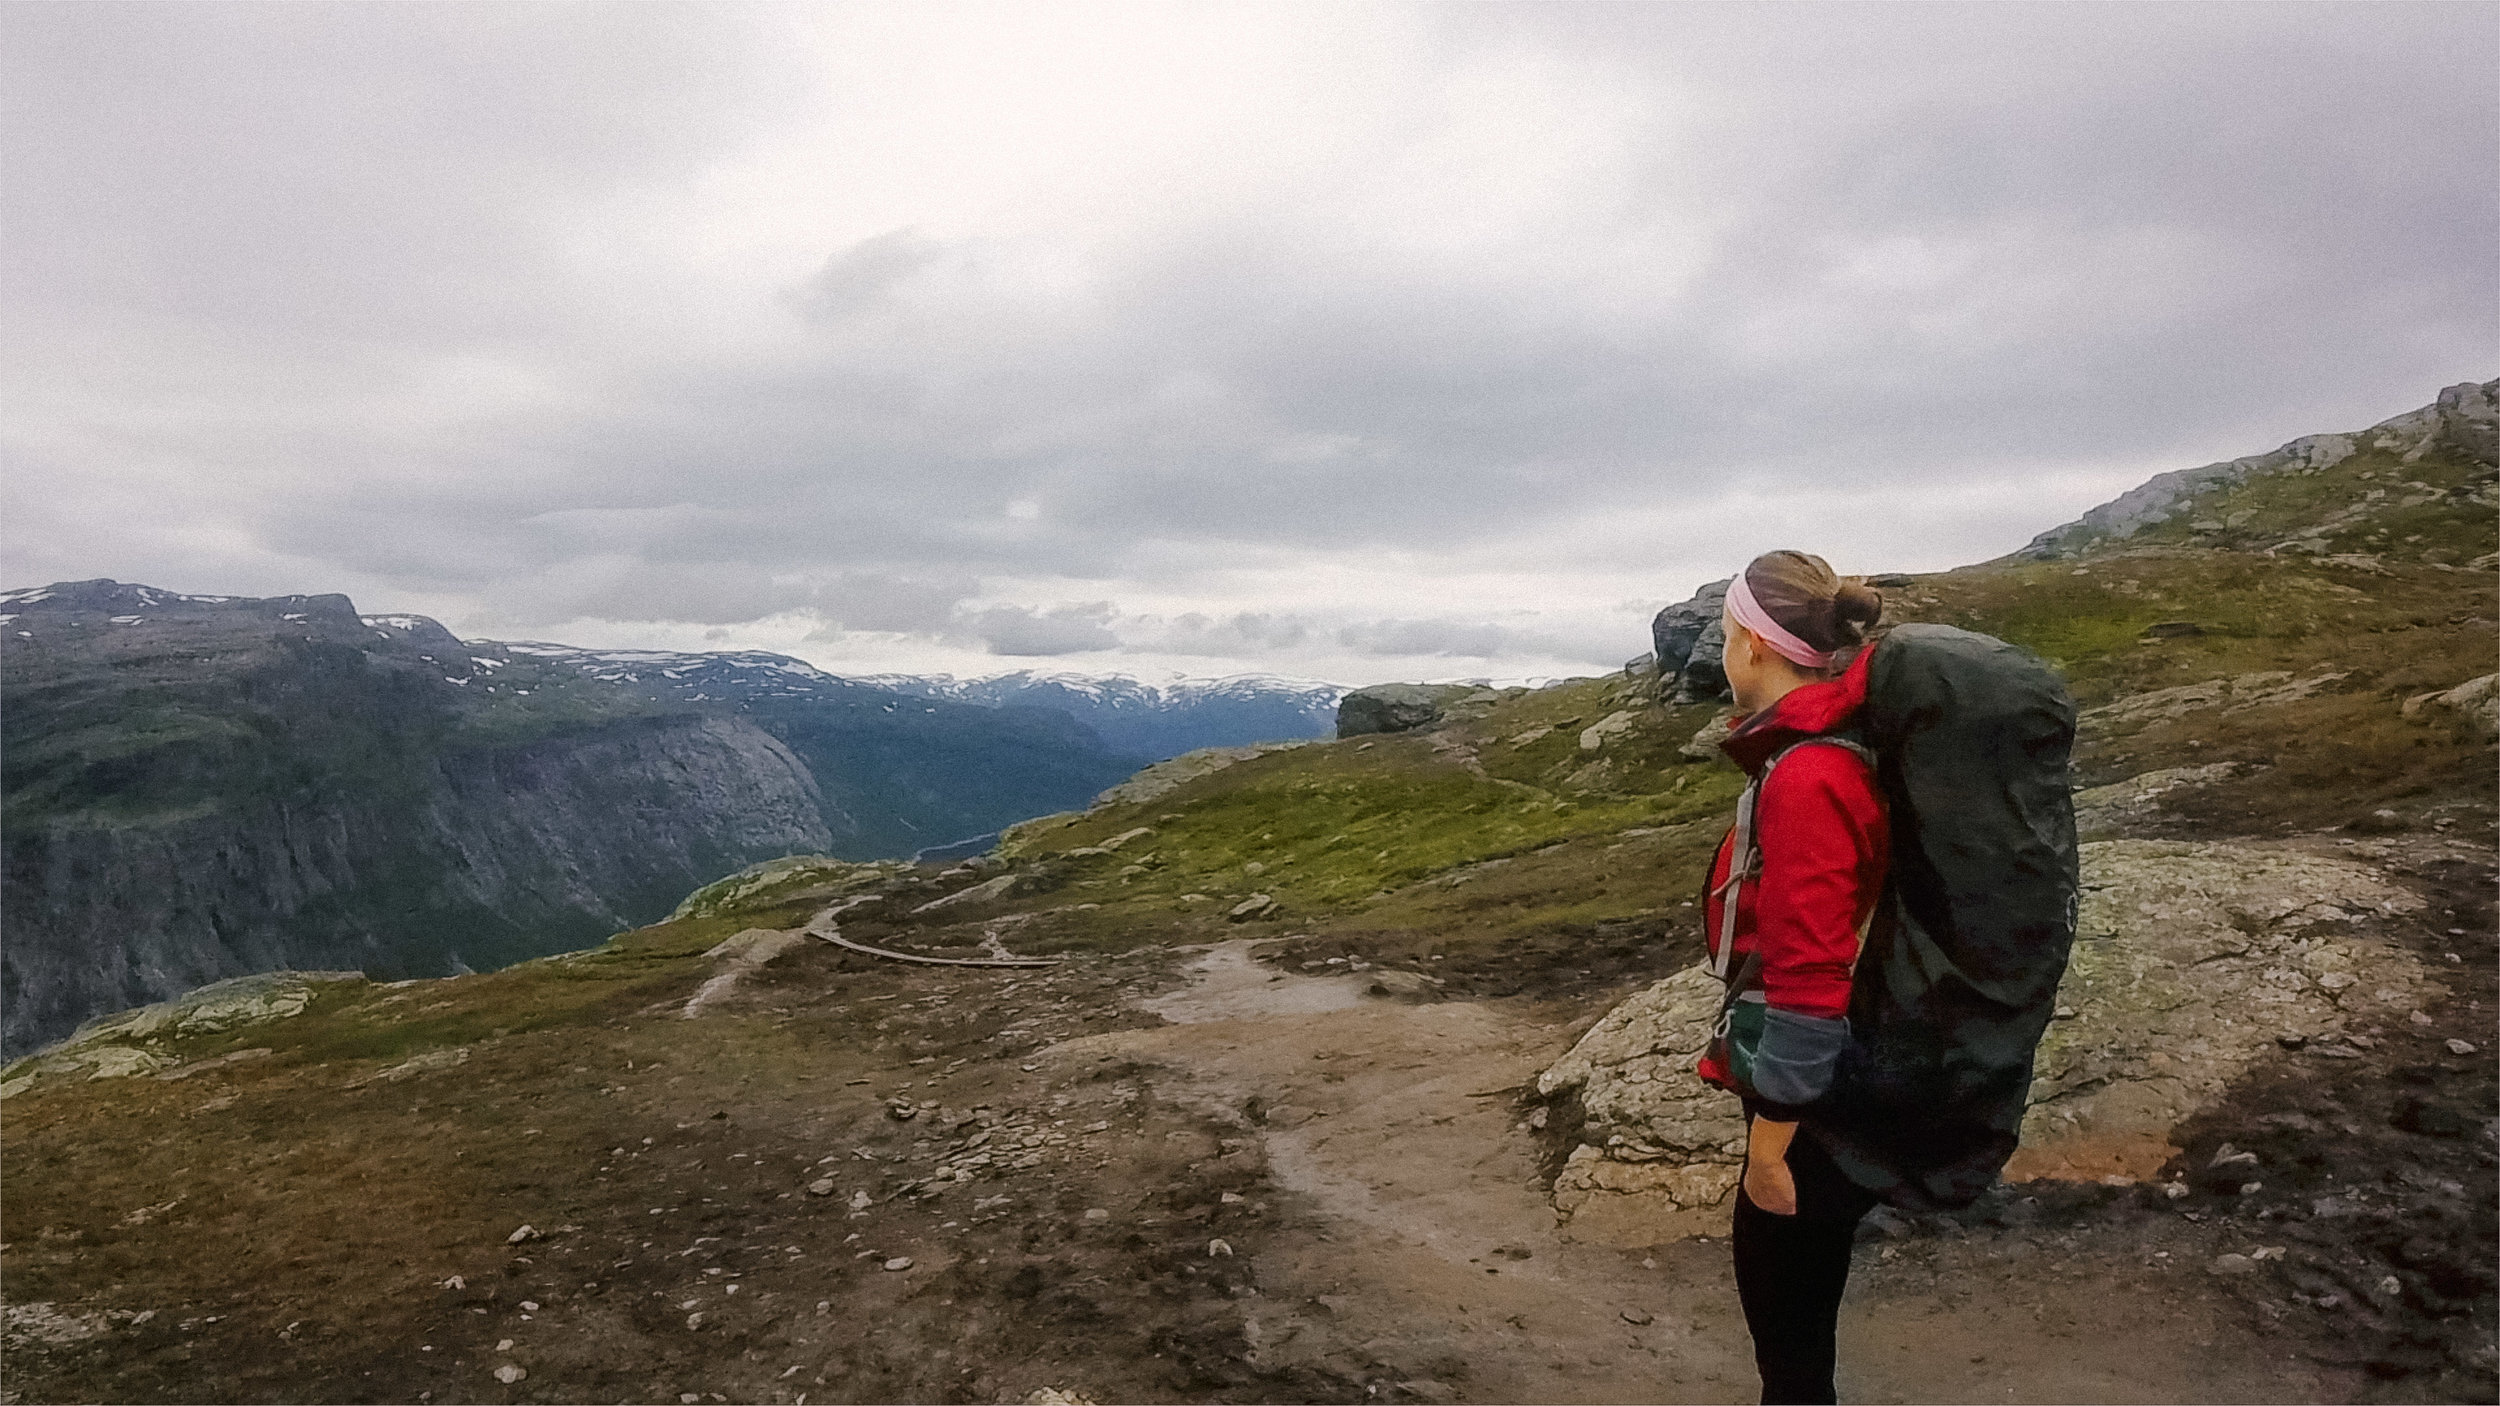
(201, 786)
(1153, 720)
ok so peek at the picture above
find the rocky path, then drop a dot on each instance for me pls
(1420, 1234)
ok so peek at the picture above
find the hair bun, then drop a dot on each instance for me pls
(1857, 605)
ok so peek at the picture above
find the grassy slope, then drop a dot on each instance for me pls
(1496, 844)
(1494, 859)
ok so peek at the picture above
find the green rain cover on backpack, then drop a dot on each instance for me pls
(1958, 977)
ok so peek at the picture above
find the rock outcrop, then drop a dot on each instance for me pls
(2475, 701)
(2464, 422)
(2190, 960)
(1687, 638)
(1396, 707)
(129, 1043)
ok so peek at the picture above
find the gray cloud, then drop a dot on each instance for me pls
(1465, 638)
(1067, 629)
(707, 316)
(856, 279)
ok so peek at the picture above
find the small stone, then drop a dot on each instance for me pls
(2232, 1264)
(1097, 1213)
(2419, 1018)
(2175, 1190)
(2460, 1047)
(859, 1199)
(529, 1306)
(504, 1346)
(2391, 1286)
(2063, 1013)
(1221, 1248)
(2291, 1039)
(2227, 1156)
(901, 1110)
(511, 1372)
(524, 1233)
(454, 1282)
(2252, 1188)
(2267, 1252)
(822, 1186)
(693, 1321)
(1637, 1318)
(898, 1264)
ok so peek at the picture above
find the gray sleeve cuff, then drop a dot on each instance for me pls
(1794, 1063)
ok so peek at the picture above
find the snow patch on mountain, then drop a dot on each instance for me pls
(1154, 719)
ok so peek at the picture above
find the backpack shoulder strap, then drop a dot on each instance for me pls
(1746, 858)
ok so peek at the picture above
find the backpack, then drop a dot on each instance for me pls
(1958, 970)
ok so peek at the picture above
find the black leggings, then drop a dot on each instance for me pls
(1790, 1271)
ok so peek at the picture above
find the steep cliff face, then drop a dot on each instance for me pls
(200, 788)
(899, 772)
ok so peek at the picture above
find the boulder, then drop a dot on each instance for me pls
(1704, 745)
(1397, 707)
(1686, 638)
(2477, 701)
(1594, 737)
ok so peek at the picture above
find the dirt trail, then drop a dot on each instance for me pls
(1420, 1233)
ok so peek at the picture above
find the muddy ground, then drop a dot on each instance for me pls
(1233, 1170)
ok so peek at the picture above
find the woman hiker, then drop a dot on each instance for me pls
(1791, 893)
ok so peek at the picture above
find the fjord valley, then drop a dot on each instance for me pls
(200, 787)
(1358, 1068)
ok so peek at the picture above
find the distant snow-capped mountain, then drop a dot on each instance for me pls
(1150, 720)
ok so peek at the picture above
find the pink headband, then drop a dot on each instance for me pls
(1750, 614)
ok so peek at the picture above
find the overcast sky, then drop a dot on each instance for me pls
(1352, 341)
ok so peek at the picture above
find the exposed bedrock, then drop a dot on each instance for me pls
(2190, 961)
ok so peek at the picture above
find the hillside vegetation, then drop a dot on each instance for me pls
(753, 1163)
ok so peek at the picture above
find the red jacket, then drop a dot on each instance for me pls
(1820, 826)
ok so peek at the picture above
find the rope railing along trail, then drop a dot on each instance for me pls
(824, 926)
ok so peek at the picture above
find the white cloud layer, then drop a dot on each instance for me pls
(1365, 341)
